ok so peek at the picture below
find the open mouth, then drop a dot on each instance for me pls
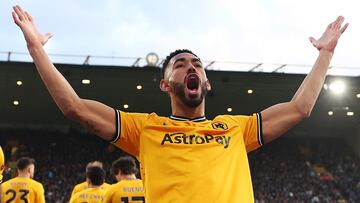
(192, 82)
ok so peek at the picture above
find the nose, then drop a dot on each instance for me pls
(191, 69)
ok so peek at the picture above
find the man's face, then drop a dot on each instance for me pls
(187, 78)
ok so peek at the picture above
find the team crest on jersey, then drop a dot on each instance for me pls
(219, 125)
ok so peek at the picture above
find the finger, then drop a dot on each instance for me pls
(16, 18)
(23, 12)
(29, 16)
(330, 26)
(342, 30)
(338, 22)
(18, 13)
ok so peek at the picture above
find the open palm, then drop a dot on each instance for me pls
(330, 37)
(27, 25)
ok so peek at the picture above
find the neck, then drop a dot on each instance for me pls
(128, 177)
(93, 186)
(180, 109)
(23, 175)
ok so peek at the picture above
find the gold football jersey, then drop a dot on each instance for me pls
(20, 190)
(125, 191)
(191, 160)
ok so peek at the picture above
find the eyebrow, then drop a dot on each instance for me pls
(184, 59)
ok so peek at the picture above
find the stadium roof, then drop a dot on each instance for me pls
(117, 86)
(209, 64)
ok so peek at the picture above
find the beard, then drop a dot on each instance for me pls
(192, 102)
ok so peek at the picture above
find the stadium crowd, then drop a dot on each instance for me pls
(287, 170)
(60, 158)
(306, 170)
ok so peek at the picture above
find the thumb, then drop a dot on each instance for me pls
(312, 40)
(48, 35)
(46, 38)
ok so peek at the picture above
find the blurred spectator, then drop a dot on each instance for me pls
(306, 169)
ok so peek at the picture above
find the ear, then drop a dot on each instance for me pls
(164, 85)
(208, 85)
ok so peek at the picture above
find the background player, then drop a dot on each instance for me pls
(23, 188)
(2, 164)
(95, 177)
(2, 167)
(84, 185)
(128, 189)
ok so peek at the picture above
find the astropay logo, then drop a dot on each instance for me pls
(183, 138)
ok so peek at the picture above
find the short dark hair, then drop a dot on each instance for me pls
(126, 165)
(172, 54)
(24, 162)
(94, 163)
(96, 175)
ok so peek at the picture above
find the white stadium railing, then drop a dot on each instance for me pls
(209, 65)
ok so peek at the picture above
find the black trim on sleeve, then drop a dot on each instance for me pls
(260, 133)
(117, 127)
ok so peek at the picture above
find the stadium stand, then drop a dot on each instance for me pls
(291, 169)
(306, 170)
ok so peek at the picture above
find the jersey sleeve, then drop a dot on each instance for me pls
(128, 129)
(40, 194)
(73, 198)
(108, 195)
(251, 130)
(75, 190)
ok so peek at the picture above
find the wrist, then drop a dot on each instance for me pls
(326, 53)
(34, 47)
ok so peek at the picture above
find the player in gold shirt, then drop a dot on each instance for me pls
(129, 189)
(84, 185)
(23, 189)
(186, 157)
(95, 177)
(2, 164)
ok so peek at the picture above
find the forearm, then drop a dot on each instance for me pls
(307, 94)
(280, 118)
(63, 94)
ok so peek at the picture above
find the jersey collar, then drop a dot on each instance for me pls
(180, 118)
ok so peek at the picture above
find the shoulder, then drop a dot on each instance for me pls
(81, 186)
(233, 118)
(138, 182)
(110, 189)
(105, 185)
(36, 184)
(83, 192)
(119, 185)
(142, 117)
(6, 183)
(76, 196)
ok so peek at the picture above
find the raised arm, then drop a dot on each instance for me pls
(94, 115)
(279, 118)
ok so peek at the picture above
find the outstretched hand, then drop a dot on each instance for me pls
(330, 37)
(27, 25)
